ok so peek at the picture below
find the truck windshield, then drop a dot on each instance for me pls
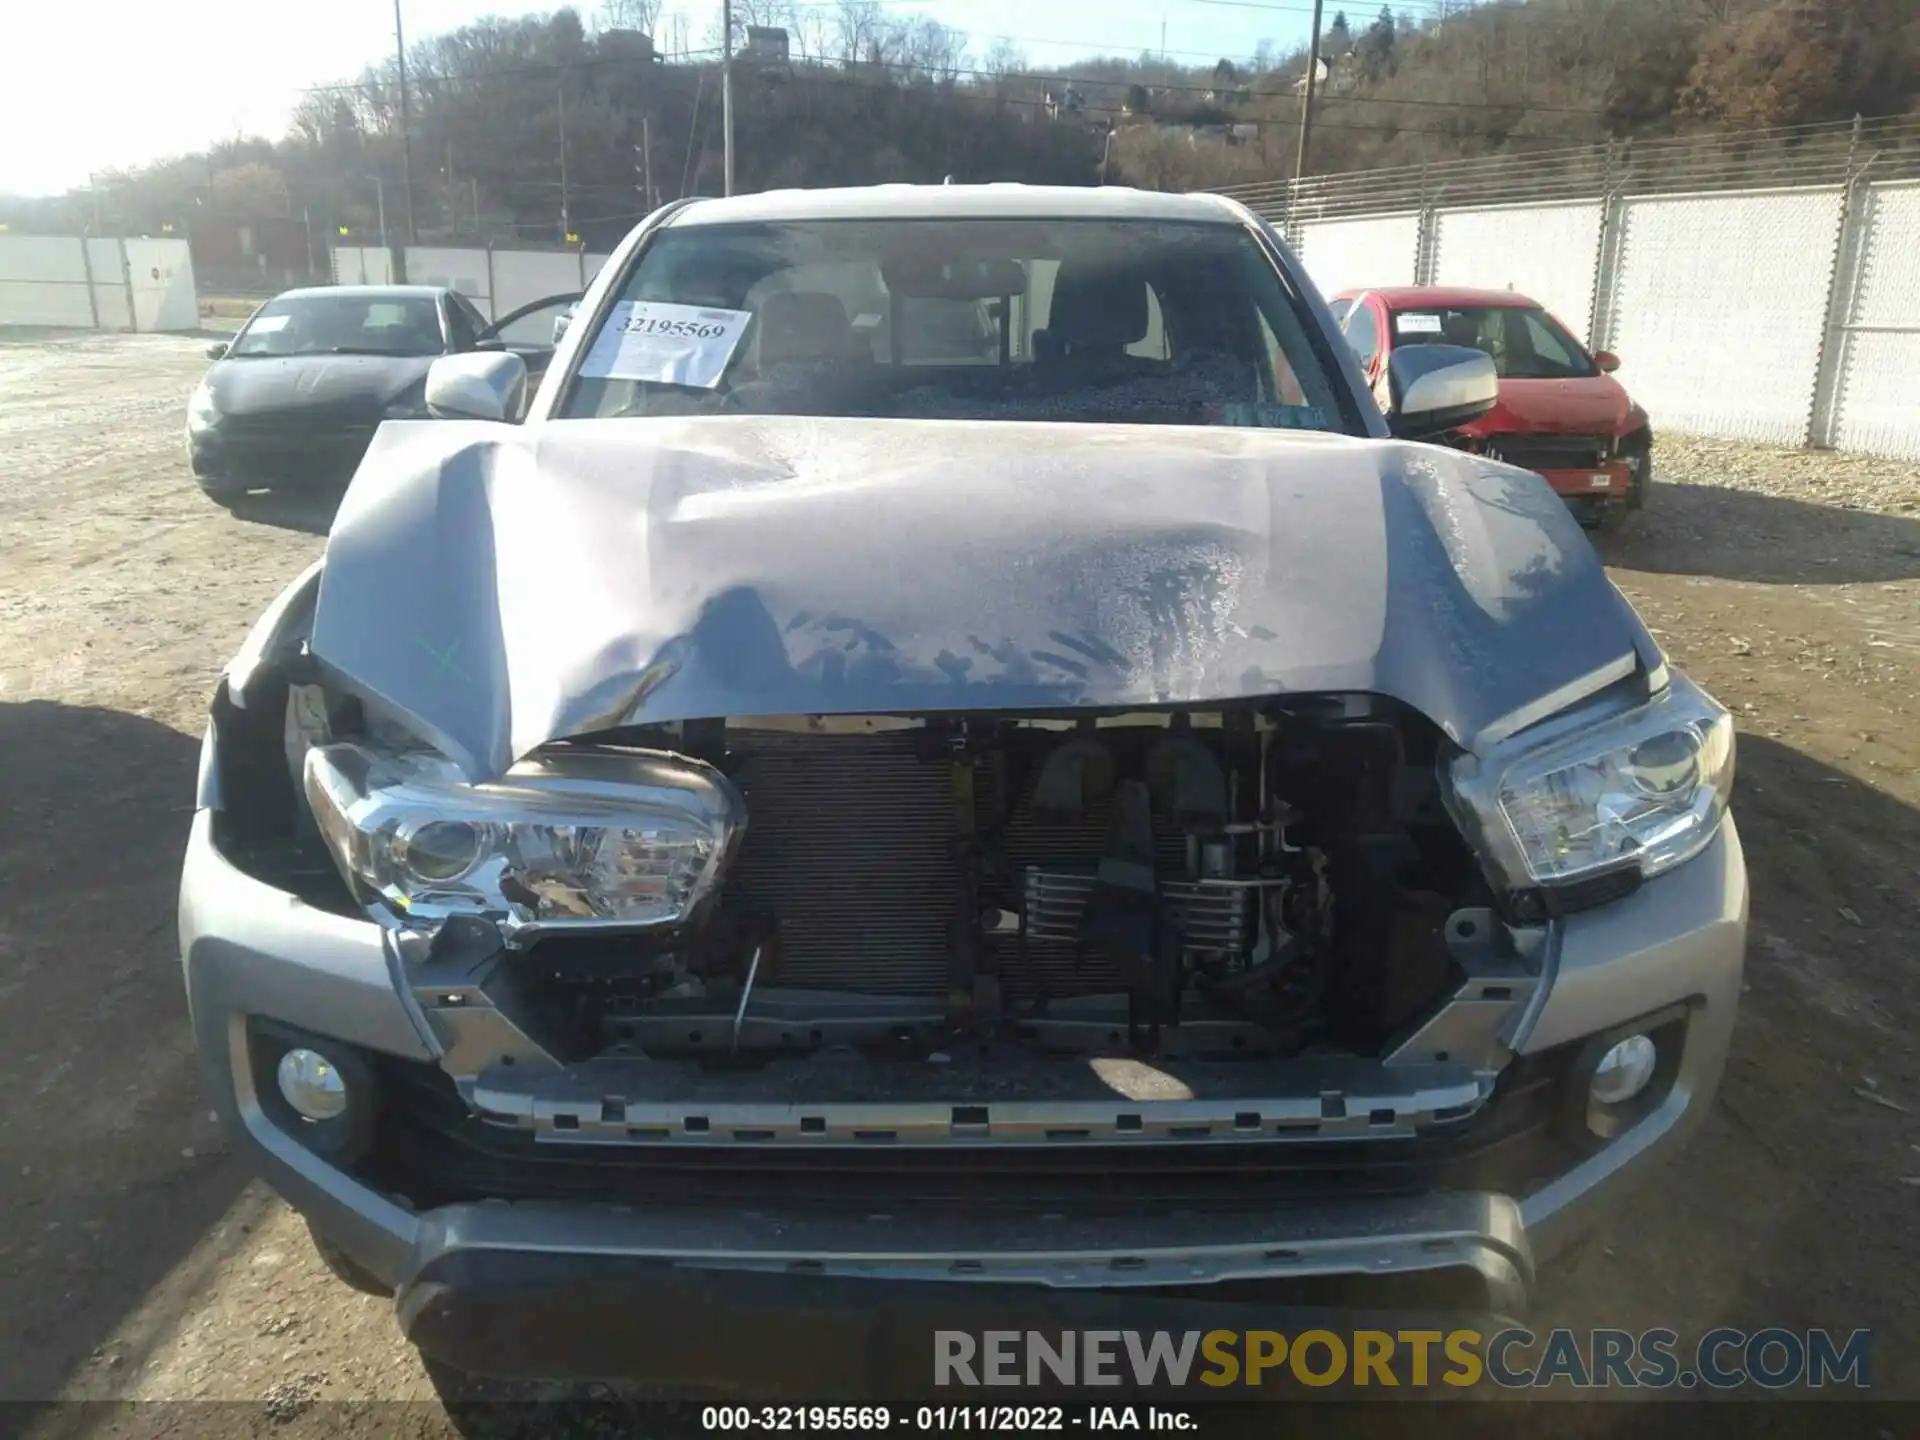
(1134, 321)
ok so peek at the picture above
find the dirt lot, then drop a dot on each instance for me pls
(137, 1261)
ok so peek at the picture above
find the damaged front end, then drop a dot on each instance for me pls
(1181, 866)
(1248, 923)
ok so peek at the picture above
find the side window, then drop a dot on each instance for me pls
(465, 334)
(1363, 334)
(1339, 309)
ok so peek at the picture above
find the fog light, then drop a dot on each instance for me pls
(312, 1086)
(1623, 1072)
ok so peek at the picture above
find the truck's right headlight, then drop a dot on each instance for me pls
(572, 838)
(1645, 790)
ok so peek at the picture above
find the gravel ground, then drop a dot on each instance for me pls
(139, 1262)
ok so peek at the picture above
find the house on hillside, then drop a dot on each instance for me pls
(766, 45)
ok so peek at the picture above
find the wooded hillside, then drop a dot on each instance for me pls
(867, 94)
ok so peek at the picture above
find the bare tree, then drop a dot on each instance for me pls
(858, 28)
(641, 15)
(1003, 59)
(929, 50)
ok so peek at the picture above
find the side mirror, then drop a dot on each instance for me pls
(1433, 388)
(479, 385)
(1607, 361)
(217, 350)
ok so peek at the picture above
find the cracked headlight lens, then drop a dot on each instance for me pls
(1646, 788)
(576, 837)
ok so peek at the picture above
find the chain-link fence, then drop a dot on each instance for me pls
(1763, 286)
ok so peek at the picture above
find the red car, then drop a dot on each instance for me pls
(1561, 412)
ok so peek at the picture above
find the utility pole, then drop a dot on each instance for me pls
(1306, 101)
(726, 95)
(646, 163)
(406, 125)
(566, 227)
(380, 204)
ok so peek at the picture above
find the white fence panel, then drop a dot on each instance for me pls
(110, 300)
(362, 265)
(1548, 252)
(1379, 250)
(458, 268)
(43, 281)
(522, 276)
(1880, 349)
(1719, 309)
(160, 274)
(496, 281)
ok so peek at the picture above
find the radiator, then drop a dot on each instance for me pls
(851, 846)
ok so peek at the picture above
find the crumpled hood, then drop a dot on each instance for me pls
(499, 587)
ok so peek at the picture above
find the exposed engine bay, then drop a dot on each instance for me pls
(1237, 882)
(1256, 919)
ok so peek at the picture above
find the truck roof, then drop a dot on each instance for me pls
(933, 202)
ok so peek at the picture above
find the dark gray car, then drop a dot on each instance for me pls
(955, 753)
(293, 400)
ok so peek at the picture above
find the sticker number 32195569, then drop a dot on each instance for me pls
(668, 344)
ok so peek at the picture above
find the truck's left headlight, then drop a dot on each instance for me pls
(573, 838)
(1645, 789)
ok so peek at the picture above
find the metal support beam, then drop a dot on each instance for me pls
(1843, 296)
(726, 94)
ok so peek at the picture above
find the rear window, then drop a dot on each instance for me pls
(1071, 320)
(1524, 343)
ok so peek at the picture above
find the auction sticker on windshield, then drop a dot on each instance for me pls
(1416, 324)
(667, 344)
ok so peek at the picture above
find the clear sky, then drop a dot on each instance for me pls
(112, 83)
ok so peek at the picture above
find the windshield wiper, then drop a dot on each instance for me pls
(365, 350)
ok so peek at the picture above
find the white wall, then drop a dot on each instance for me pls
(1549, 252)
(1376, 250)
(43, 281)
(160, 273)
(497, 281)
(1878, 405)
(362, 265)
(462, 269)
(111, 302)
(135, 284)
(1719, 309)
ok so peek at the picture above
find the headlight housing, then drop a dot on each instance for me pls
(202, 413)
(575, 839)
(1642, 790)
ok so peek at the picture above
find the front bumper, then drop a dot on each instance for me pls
(252, 952)
(225, 458)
